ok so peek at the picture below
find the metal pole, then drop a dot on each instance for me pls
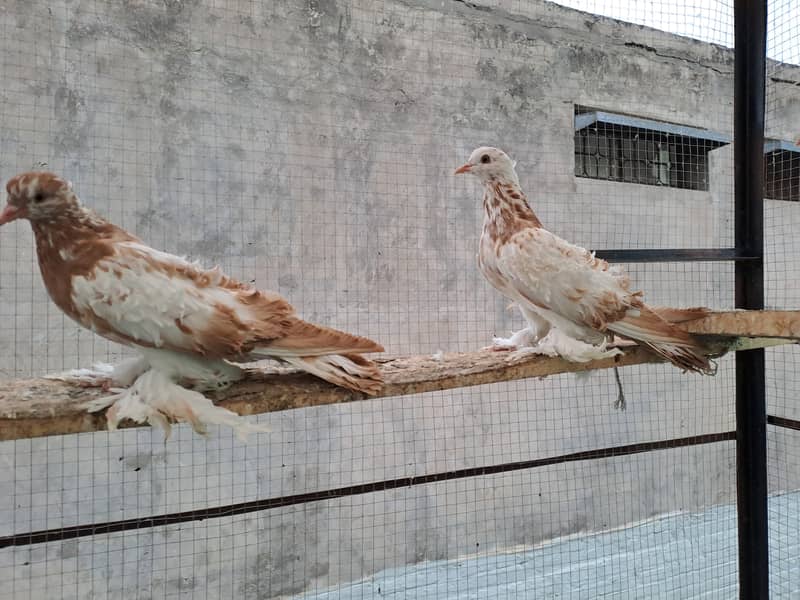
(750, 19)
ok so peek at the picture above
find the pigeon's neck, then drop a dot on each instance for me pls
(68, 247)
(506, 210)
(72, 228)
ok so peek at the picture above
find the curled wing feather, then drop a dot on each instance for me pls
(555, 275)
(138, 295)
(142, 296)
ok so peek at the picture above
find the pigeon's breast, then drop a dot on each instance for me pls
(62, 255)
(487, 263)
(54, 275)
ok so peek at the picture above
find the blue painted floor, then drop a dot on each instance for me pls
(677, 556)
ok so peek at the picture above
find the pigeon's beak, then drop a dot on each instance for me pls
(463, 169)
(10, 213)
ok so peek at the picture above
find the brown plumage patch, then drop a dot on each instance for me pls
(307, 337)
(183, 327)
(507, 212)
(47, 183)
(79, 243)
(527, 216)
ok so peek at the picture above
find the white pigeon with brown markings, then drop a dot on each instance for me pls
(573, 302)
(189, 324)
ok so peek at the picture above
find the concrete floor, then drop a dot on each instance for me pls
(677, 556)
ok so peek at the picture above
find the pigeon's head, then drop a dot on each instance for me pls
(490, 164)
(38, 196)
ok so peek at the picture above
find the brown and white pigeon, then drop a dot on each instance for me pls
(573, 302)
(189, 324)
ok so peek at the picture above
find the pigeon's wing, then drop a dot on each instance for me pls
(138, 295)
(568, 280)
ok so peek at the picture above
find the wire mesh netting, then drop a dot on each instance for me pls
(781, 221)
(308, 147)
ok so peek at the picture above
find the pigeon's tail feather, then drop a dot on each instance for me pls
(350, 371)
(304, 339)
(665, 339)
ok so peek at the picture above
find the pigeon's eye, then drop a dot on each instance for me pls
(38, 197)
(485, 159)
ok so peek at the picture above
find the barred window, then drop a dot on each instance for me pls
(633, 150)
(781, 171)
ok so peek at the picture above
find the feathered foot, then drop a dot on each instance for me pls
(194, 372)
(155, 399)
(555, 343)
(105, 375)
(519, 339)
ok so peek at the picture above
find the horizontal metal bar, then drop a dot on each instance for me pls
(76, 531)
(673, 255)
(783, 422)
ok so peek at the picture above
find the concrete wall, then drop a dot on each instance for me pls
(309, 147)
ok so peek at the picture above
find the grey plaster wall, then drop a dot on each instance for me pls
(308, 147)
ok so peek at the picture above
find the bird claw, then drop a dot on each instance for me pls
(519, 339)
(537, 350)
(556, 343)
(104, 375)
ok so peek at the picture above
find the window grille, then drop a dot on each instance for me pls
(781, 171)
(612, 147)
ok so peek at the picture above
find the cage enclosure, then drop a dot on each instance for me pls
(308, 147)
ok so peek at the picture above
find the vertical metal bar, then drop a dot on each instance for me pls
(750, 19)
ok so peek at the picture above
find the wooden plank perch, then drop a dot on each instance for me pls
(41, 407)
(749, 323)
